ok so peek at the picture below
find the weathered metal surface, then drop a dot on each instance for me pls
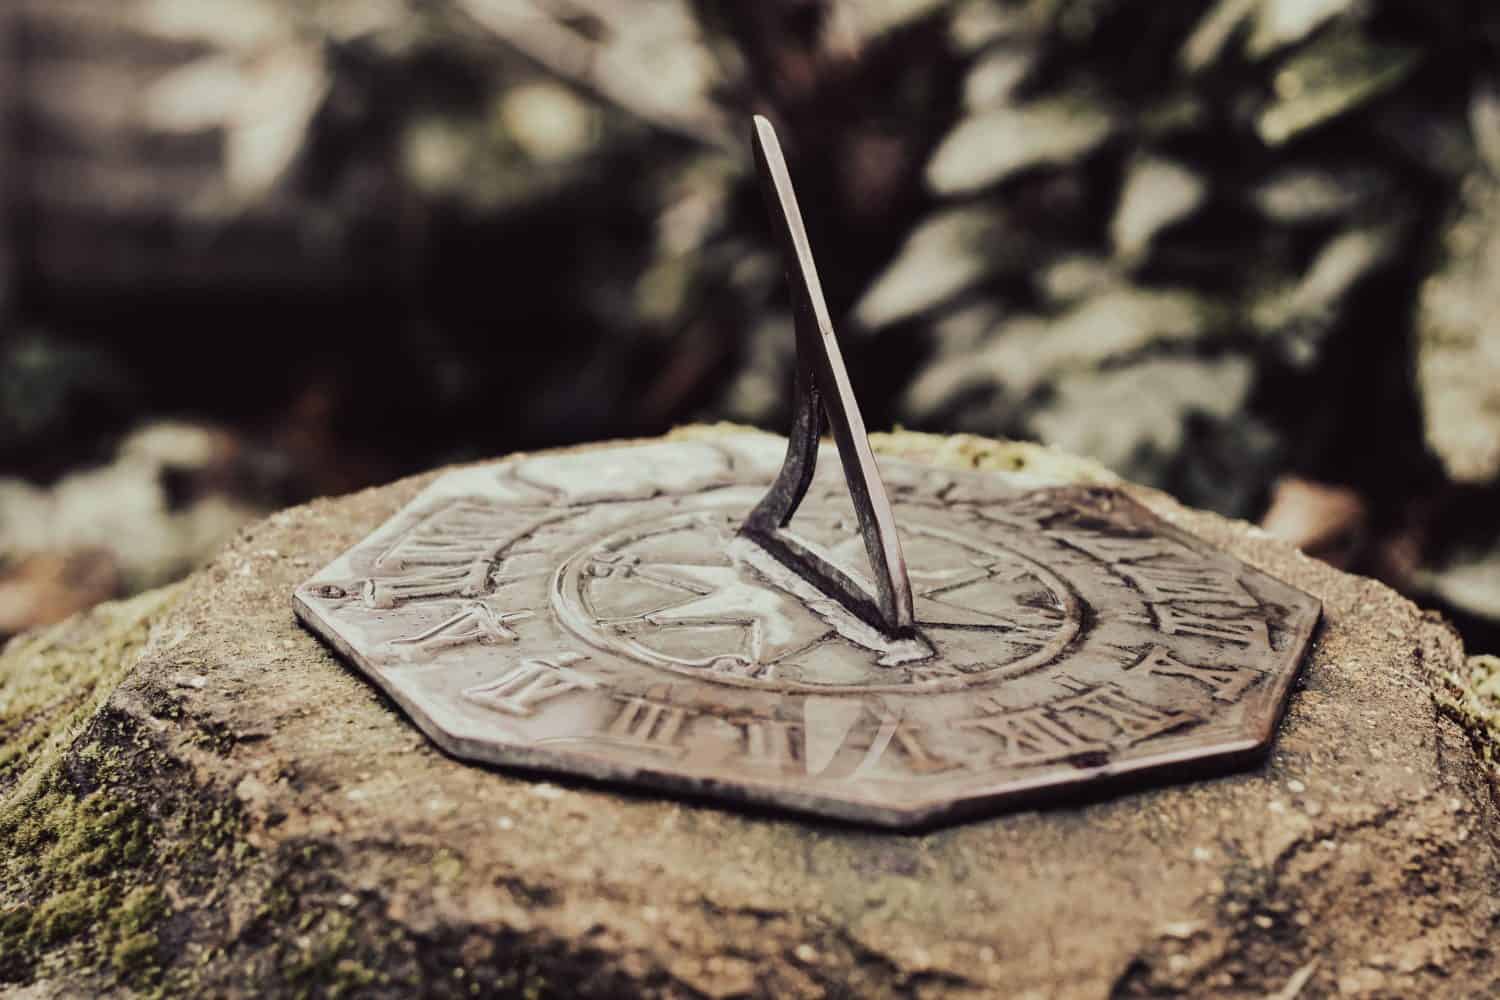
(637, 614)
(823, 384)
(596, 613)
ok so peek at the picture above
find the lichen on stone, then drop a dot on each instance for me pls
(84, 851)
(1024, 462)
(282, 830)
(53, 679)
(1472, 695)
(66, 864)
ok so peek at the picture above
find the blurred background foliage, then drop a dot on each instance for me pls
(257, 250)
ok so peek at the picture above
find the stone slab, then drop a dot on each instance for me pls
(301, 837)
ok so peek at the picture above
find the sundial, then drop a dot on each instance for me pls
(734, 619)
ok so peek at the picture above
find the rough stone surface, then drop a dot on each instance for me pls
(244, 815)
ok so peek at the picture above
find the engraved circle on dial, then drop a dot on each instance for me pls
(684, 594)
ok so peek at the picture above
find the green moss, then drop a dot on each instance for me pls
(142, 907)
(54, 679)
(447, 866)
(277, 904)
(134, 956)
(1472, 696)
(64, 915)
(104, 835)
(95, 818)
(320, 961)
(67, 867)
(349, 973)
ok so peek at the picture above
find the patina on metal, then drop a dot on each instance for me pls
(823, 381)
(917, 644)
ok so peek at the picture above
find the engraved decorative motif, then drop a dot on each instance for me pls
(597, 614)
(735, 616)
(686, 616)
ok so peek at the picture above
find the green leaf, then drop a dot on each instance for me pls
(1484, 123)
(1338, 267)
(1119, 415)
(1204, 46)
(980, 23)
(994, 78)
(199, 96)
(945, 255)
(1458, 334)
(231, 24)
(1028, 352)
(1305, 195)
(1329, 79)
(267, 131)
(1279, 23)
(1470, 583)
(877, 17)
(1157, 193)
(987, 148)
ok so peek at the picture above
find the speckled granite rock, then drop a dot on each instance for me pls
(243, 815)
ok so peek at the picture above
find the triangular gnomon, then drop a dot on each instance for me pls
(823, 392)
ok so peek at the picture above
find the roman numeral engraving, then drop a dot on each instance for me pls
(439, 548)
(1044, 734)
(1030, 735)
(908, 739)
(648, 723)
(769, 743)
(1161, 581)
(829, 726)
(1133, 719)
(519, 690)
(1117, 548)
(474, 622)
(459, 533)
(1241, 631)
(1164, 570)
(1224, 681)
(388, 592)
(449, 553)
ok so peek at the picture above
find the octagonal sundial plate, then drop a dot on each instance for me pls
(595, 614)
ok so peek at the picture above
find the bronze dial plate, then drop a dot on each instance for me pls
(597, 614)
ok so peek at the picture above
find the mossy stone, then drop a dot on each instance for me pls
(232, 811)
